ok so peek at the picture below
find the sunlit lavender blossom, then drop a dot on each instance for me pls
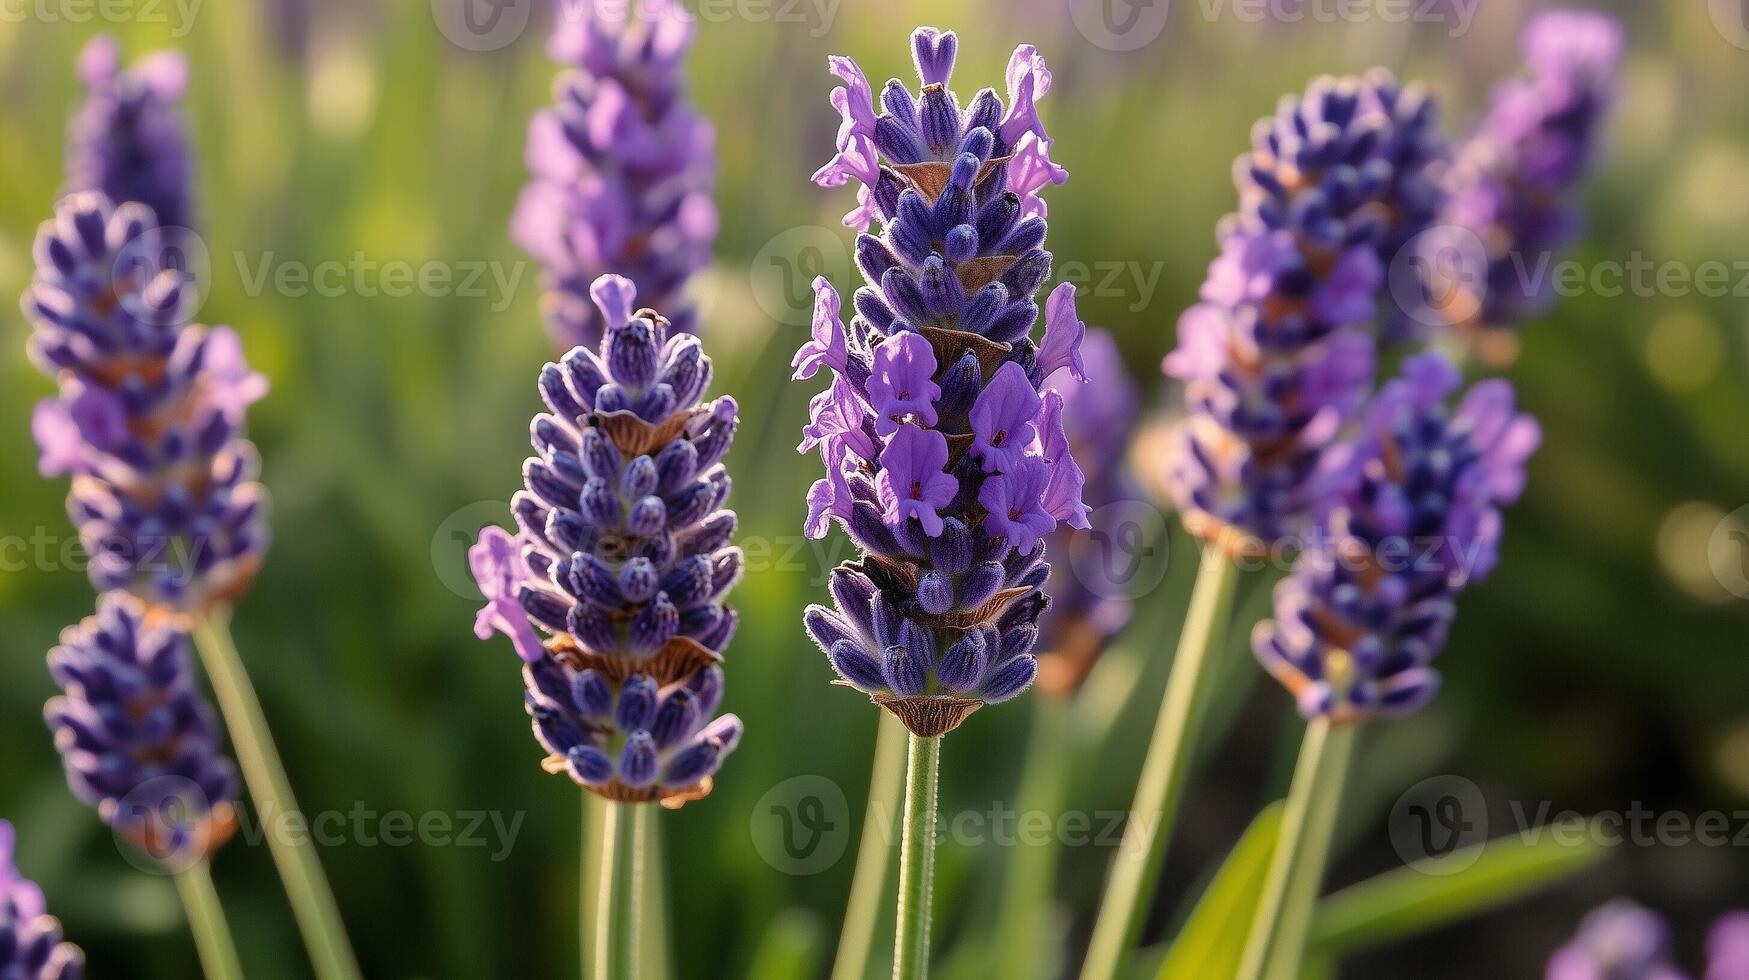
(621, 166)
(1099, 417)
(1367, 608)
(1513, 182)
(1280, 352)
(30, 938)
(944, 463)
(136, 735)
(148, 419)
(613, 588)
(1727, 947)
(128, 140)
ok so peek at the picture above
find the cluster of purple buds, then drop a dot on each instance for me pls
(1279, 354)
(1625, 941)
(1368, 605)
(622, 561)
(30, 938)
(1512, 182)
(128, 140)
(944, 462)
(622, 166)
(148, 419)
(136, 735)
(1100, 417)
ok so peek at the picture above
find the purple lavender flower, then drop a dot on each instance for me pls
(1279, 354)
(622, 559)
(136, 735)
(1512, 183)
(1367, 607)
(1098, 418)
(1727, 947)
(943, 462)
(1617, 941)
(30, 938)
(622, 166)
(128, 140)
(148, 420)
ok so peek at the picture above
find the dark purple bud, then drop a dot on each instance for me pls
(648, 516)
(905, 674)
(637, 704)
(591, 694)
(962, 667)
(589, 765)
(638, 760)
(632, 354)
(598, 504)
(939, 119)
(675, 718)
(689, 582)
(935, 594)
(654, 625)
(675, 464)
(1009, 679)
(951, 550)
(981, 584)
(904, 295)
(961, 245)
(873, 257)
(637, 579)
(857, 666)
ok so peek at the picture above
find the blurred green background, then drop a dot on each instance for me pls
(1603, 664)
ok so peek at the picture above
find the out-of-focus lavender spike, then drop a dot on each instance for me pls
(30, 938)
(137, 737)
(621, 167)
(129, 140)
(1367, 608)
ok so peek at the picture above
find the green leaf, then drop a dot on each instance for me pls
(1436, 891)
(1213, 938)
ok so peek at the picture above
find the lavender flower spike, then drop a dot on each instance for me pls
(621, 166)
(1098, 418)
(1617, 941)
(149, 417)
(1512, 182)
(128, 140)
(1279, 354)
(944, 463)
(137, 737)
(621, 559)
(30, 938)
(1366, 609)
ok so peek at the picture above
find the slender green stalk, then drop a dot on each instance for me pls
(1277, 941)
(312, 900)
(589, 877)
(1025, 919)
(622, 882)
(654, 938)
(917, 860)
(1136, 866)
(206, 919)
(873, 853)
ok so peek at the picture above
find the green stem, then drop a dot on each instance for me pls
(1277, 941)
(873, 853)
(1136, 866)
(312, 900)
(916, 860)
(654, 938)
(1025, 920)
(622, 881)
(206, 919)
(589, 877)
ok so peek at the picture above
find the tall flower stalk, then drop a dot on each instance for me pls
(1512, 182)
(140, 745)
(944, 463)
(30, 938)
(621, 165)
(613, 587)
(1356, 627)
(1276, 360)
(148, 420)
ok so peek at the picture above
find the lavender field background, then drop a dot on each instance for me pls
(1604, 666)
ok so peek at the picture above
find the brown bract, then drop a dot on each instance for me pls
(929, 715)
(679, 658)
(618, 792)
